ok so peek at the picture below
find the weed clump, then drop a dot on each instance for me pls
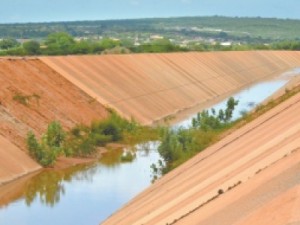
(25, 99)
(82, 140)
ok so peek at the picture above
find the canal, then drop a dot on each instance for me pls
(88, 194)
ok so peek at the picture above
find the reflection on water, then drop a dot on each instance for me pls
(39, 187)
(49, 186)
(82, 194)
(248, 99)
(292, 73)
(113, 158)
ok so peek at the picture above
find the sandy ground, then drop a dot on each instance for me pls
(257, 168)
(150, 87)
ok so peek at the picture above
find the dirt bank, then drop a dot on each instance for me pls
(234, 181)
(150, 87)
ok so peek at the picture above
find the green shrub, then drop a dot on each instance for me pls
(114, 126)
(33, 146)
(50, 146)
(100, 139)
(55, 135)
(43, 153)
(171, 149)
(181, 144)
(81, 141)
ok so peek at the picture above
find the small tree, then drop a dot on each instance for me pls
(8, 43)
(34, 146)
(221, 115)
(55, 134)
(59, 43)
(46, 151)
(32, 47)
(231, 103)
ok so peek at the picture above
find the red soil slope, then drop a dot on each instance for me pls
(257, 167)
(152, 86)
(48, 97)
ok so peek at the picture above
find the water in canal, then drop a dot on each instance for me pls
(85, 194)
(88, 194)
(248, 99)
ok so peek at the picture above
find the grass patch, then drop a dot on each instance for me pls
(25, 99)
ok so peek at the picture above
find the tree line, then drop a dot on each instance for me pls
(62, 43)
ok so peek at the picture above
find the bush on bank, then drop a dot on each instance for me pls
(49, 147)
(82, 140)
(178, 145)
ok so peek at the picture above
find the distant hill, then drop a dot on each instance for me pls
(237, 29)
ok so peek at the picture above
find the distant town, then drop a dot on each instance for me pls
(152, 35)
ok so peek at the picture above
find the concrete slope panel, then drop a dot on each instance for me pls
(149, 87)
(32, 95)
(237, 180)
(14, 162)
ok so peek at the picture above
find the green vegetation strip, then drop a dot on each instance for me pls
(82, 141)
(180, 145)
(61, 43)
(176, 147)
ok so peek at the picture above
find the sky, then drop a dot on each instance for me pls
(20, 11)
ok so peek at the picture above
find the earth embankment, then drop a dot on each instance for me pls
(242, 179)
(149, 87)
(31, 96)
